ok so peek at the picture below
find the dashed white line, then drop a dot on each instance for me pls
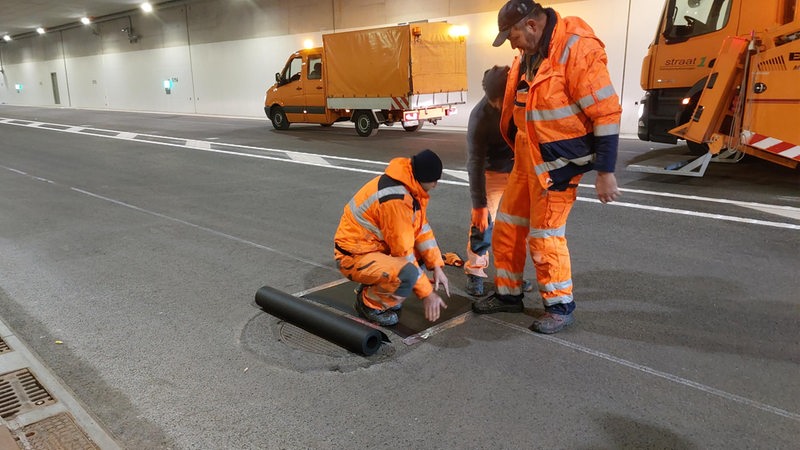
(206, 229)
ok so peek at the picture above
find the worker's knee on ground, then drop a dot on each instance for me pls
(408, 276)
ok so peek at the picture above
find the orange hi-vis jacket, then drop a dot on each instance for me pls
(388, 215)
(572, 111)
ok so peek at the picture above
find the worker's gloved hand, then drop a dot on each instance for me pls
(480, 218)
(433, 304)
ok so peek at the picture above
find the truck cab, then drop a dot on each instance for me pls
(298, 94)
(683, 53)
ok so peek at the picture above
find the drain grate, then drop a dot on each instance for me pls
(21, 392)
(4, 347)
(57, 432)
(301, 339)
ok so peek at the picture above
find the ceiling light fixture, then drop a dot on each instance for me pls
(40, 30)
(146, 7)
(86, 20)
(7, 38)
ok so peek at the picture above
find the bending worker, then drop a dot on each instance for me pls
(382, 235)
(560, 99)
(489, 161)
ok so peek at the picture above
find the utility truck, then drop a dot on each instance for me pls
(724, 76)
(411, 74)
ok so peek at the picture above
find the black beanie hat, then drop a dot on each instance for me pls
(426, 166)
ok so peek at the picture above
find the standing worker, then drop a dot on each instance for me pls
(382, 234)
(560, 100)
(489, 161)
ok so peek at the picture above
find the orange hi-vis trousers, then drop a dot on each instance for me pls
(530, 214)
(388, 279)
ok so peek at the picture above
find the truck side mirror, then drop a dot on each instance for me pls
(278, 77)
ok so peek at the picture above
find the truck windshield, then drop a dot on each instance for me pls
(688, 18)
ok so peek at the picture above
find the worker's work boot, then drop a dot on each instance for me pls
(384, 318)
(496, 303)
(475, 286)
(551, 323)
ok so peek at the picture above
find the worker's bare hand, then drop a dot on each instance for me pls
(432, 304)
(440, 277)
(606, 186)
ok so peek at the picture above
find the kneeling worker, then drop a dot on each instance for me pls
(382, 234)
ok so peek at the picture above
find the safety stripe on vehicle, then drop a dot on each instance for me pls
(400, 103)
(772, 145)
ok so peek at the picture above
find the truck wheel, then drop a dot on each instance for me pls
(413, 128)
(278, 117)
(366, 125)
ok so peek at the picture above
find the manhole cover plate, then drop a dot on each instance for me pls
(285, 344)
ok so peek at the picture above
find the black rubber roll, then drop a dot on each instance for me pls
(342, 331)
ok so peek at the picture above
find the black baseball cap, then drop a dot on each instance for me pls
(511, 13)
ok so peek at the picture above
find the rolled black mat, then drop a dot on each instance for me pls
(342, 331)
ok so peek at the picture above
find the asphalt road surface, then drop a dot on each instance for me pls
(137, 241)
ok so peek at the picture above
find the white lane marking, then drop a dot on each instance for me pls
(782, 210)
(308, 158)
(318, 160)
(127, 135)
(651, 371)
(206, 229)
(778, 211)
(724, 217)
(192, 143)
(460, 174)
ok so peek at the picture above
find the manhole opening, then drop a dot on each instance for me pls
(4, 347)
(55, 432)
(21, 392)
(301, 339)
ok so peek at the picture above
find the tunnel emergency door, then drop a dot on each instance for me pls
(314, 91)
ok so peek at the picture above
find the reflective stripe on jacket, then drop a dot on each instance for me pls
(388, 215)
(573, 112)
